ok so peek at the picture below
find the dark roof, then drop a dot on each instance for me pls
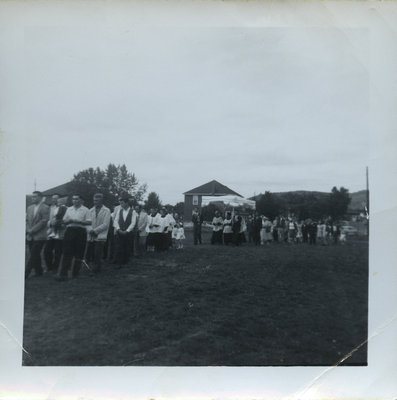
(213, 188)
(63, 190)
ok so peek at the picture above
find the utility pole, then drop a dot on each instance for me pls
(367, 208)
(35, 184)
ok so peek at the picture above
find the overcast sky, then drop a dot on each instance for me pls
(256, 109)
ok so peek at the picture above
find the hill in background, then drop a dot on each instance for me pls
(357, 202)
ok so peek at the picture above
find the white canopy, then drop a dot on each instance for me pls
(229, 200)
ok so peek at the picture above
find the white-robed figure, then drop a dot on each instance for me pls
(170, 220)
(217, 228)
(243, 229)
(227, 228)
(162, 234)
(153, 227)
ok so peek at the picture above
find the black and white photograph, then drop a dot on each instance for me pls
(198, 188)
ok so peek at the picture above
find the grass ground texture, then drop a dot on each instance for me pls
(274, 305)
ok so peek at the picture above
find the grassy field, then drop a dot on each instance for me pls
(206, 306)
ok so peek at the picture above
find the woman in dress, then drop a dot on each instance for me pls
(321, 233)
(299, 234)
(266, 231)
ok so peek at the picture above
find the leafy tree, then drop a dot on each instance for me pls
(180, 208)
(306, 205)
(113, 182)
(208, 211)
(338, 202)
(153, 201)
(312, 206)
(268, 205)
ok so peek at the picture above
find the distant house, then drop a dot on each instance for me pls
(193, 197)
(63, 191)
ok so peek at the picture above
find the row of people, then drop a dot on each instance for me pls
(283, 229)
(79, 235)
(261, 230)
(228, 230)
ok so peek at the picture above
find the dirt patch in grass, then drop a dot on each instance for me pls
(206, 305)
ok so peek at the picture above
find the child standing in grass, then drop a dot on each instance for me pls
(178, 233)
(342, 237)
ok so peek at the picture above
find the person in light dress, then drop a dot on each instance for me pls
(178, 233)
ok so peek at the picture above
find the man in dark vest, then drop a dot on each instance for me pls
(124, 224)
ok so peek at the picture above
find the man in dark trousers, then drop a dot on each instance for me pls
(124, 223)
(37, 216)
(97, 233)
(55, 233)
(76, 219)
(197, 222)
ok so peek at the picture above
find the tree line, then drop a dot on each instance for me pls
(115, 181)
(305, 205)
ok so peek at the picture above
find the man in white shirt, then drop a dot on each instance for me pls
(124, 222)
(97, 232)
(76, 218)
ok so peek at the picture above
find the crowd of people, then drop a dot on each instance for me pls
(73, 237)
(261, 230)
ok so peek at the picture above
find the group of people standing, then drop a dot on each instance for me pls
(75, 236)
(228, 230)
(262, 230)
(71, 237)
(233, 228)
